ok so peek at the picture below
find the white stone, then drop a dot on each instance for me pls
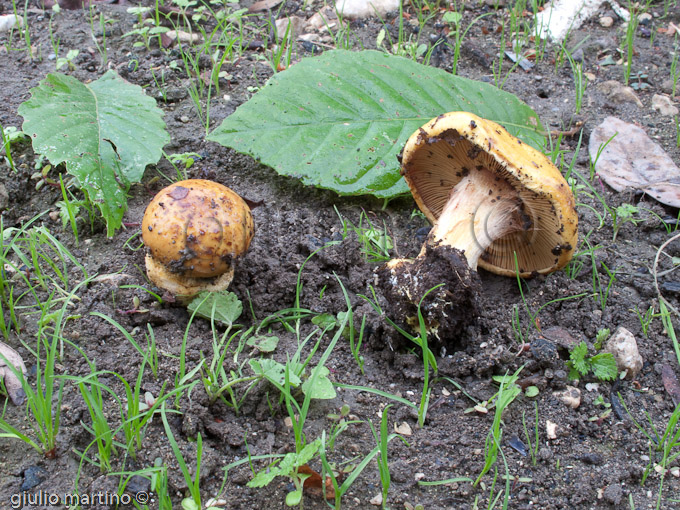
(606, 21)
(664, 106)
(560, 17)
(551, 429)
(623, 346)
(355, 9)
(570, 396)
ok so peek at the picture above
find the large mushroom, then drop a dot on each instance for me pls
(195, 231)
(494, 201)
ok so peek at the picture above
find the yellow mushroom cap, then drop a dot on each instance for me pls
(197, 228)
(456, 144)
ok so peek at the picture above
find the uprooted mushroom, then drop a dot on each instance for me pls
(195, 232)
(494, 202)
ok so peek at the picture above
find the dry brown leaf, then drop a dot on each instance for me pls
(313, 484)
(11, 358)
(632, 160)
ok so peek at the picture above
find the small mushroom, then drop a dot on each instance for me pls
(495, 202)
(195, 231)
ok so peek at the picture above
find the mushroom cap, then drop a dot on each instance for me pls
(452, 146)
(197, 229)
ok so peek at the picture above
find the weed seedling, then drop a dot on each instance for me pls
(602, 365)
(507, 393)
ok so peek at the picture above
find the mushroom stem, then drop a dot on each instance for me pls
(481, 209)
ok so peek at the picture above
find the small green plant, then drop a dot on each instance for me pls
(193, 502)
(289, 467)
(602, 365)
(533, 445)
(375, 244)
(10, 136)
(382, 440)
(604, 410)
(580, 80)
(645, 319)
(508, 391)
(628, 46)
(601, 338)
(675, 72)
(67, 60)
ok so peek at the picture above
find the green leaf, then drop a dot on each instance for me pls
(264, 477)
(106, 132)
(577, 358)
(222, 305)
(338, 121)
(604, 366)
(531, 391)
(323, 387)
(293, 498)
(273, 371)
(325, 320)
(263, 343)
(307, 453)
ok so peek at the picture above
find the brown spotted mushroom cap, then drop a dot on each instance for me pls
(195, 231)
(456, 144)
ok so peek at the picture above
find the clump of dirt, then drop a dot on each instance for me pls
(438, 286)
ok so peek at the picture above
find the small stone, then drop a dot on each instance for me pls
(418, 476)
(175, 94)
(594, 459)
(664, 106)
(544, 351)
(613, 494)
(292, 24)
(33, 476)
(288, 422)
(376, 500)
(618, 93)
(404, 429)
(184, 119)
(545, 453)
(356, 9)
(667, 86)
(4, 197)
(551, 429)
(570, 396)
(606, 21)
(623, 346)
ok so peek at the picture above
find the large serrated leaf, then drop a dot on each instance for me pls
(106, 132)
(338, 121)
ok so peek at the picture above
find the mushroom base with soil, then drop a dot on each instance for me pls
(451, 310)
(184, 288)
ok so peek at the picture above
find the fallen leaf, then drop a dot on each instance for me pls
(670, 382)
(631, 160)
(313, 484)
(11, 358)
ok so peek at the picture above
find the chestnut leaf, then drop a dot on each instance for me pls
(338, 121)
(106, 132)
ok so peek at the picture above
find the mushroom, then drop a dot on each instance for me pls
(195, 231)
(494, 201)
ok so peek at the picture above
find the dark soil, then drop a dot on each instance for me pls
(594, 462)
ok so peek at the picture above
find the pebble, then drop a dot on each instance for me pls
(623, 346)
(357, 9)
(174, 94)
(184, 119)
(664, 106)
(544, 351)
(570, 396)
(4, 197)
(618, 93)
(606, 21)
(33, 476)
